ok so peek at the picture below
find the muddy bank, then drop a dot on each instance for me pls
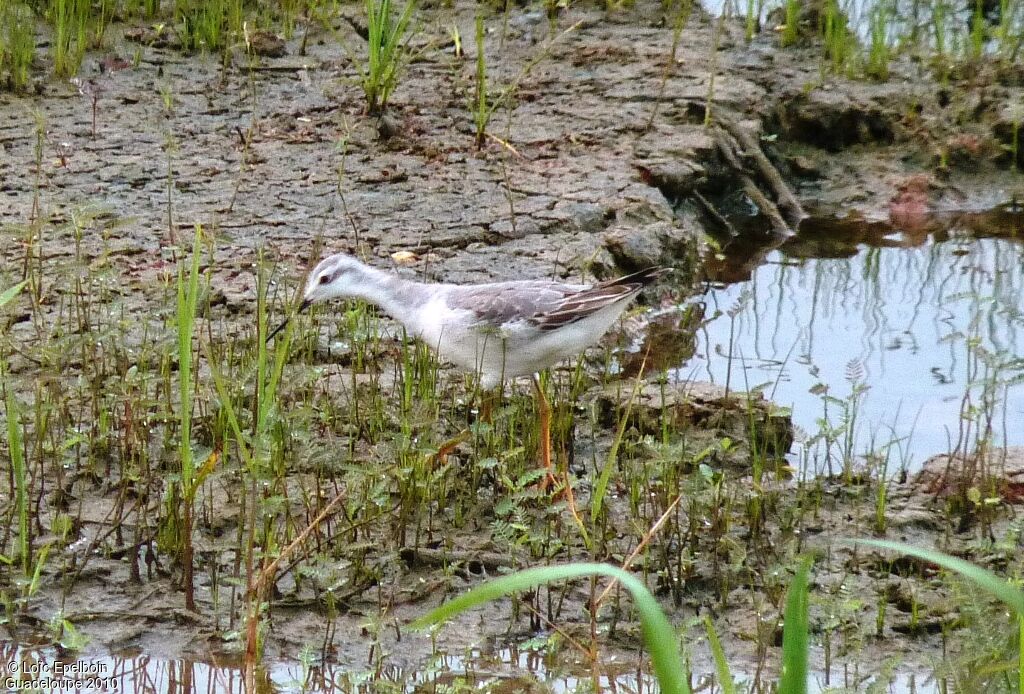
(602, 165)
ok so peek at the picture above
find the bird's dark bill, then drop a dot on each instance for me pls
(273, 333)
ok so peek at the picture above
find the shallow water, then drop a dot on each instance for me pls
(918, 320)
(508, 670)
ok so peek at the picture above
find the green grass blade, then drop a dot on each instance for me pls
(188, 295)
(1020, 653)
(9, 294)
(220, 385)
(15, 444)
(725, 681)
(987, 581)
(658, 633)
(601, 486)
(795, 640)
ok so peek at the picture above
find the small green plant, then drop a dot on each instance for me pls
(790, 32)
(16, 448)
(682, 9)
(176, 532)
(978, 31)
(483, 106)
(553, 8)
(66, 634)
(387, 52)
(879, 51)
(20, 474)
(881, 499)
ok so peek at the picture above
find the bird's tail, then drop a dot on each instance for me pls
(638, 279)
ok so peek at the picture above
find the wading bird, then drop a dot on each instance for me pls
(497, 330)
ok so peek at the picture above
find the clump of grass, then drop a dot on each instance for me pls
(753, 19)
(1009, 37)
(208, 26)
(17, 45)
(978, 31)
(387, 52)
(840, 42)
(255, 448)
(69, 20)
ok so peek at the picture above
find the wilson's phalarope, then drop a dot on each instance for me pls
(498, 330)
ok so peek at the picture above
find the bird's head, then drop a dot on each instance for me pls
(336, 276)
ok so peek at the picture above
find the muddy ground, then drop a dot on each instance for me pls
(602, 164)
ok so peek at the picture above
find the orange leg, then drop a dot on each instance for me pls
(544, 408)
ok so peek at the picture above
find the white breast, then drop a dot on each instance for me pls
(519, 349)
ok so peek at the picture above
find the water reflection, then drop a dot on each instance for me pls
(921, 317)
(909, 21)
(505, 671)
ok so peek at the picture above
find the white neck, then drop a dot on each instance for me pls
(395, 295)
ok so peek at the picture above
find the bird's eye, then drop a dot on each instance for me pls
(324, 279)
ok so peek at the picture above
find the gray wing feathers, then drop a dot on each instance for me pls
(494, 305)
(545, 305)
